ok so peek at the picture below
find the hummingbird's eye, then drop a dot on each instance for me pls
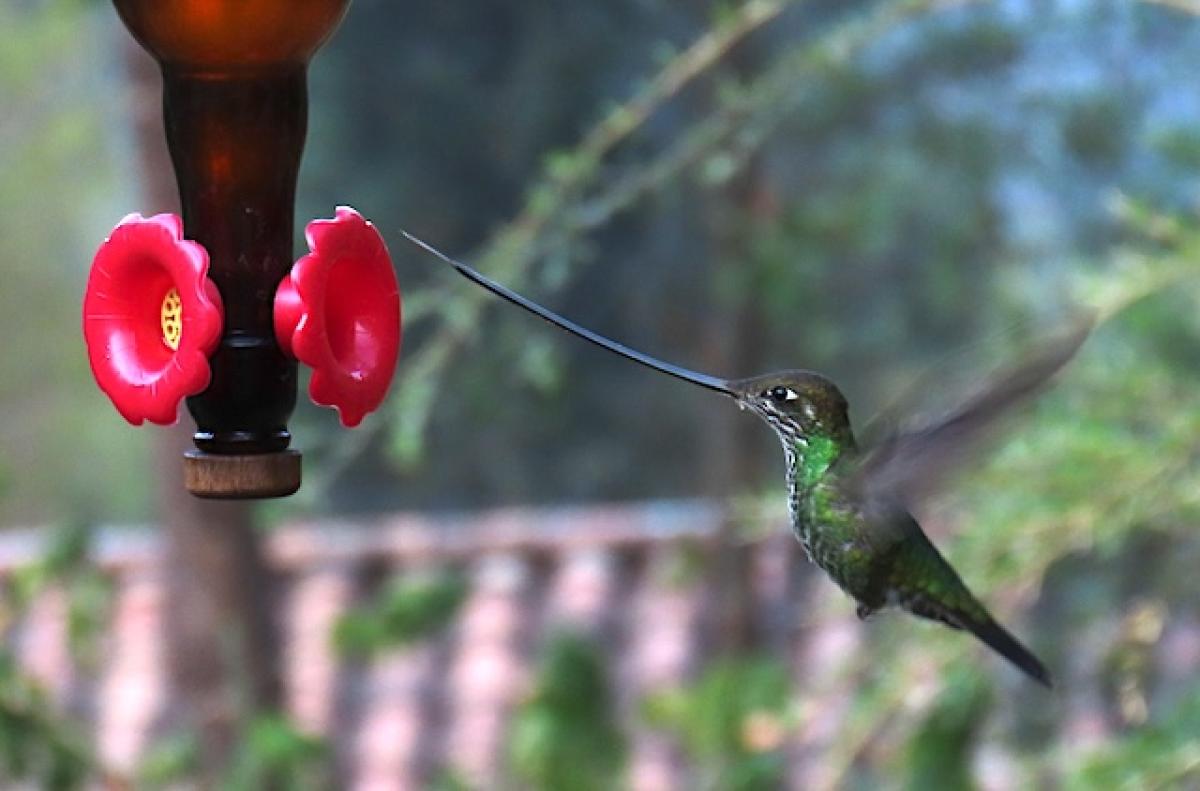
(780, 394)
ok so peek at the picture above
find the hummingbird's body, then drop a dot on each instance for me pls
(848, 507)
(870, 546)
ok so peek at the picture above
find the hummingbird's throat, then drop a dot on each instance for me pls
(812, 458)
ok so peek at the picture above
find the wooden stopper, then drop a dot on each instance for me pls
(244, 477)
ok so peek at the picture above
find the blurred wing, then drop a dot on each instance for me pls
(906, 464)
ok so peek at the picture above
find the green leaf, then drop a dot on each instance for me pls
(406, 610)
(566, 736)
(732, 721)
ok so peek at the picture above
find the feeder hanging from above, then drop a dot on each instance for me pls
(235, 110)
(152, 317)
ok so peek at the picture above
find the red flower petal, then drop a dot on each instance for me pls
(339, 313)
(130, 332)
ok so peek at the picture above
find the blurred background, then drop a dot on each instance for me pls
(539, 566)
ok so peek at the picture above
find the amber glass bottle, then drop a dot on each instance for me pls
(235, 104)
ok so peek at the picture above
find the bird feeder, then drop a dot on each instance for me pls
(213, 307)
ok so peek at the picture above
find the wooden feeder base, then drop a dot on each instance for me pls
(241, 477)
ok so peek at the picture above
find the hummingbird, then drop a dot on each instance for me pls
(849, 507)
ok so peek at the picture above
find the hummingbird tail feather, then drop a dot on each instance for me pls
(991, 633)
(999, 639)
(944, 597)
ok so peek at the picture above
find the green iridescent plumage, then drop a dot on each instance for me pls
(849, 506)
(860, 534)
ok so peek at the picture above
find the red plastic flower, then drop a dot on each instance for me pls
(339, 313)
(151, 318)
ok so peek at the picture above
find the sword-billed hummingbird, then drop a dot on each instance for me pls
(848, 505)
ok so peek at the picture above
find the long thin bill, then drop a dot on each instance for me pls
(704, 380)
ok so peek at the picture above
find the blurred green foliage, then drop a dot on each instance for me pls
(941, 747)
(448, 780)
(67, 564)
(169, 761)
(36, 746)
(732, 721)
(272, 753)
(37, 743)
(1162, 755)
(407, 609)
(275, 754)
(566, 735)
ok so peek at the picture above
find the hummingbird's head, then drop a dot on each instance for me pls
(797, 404)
